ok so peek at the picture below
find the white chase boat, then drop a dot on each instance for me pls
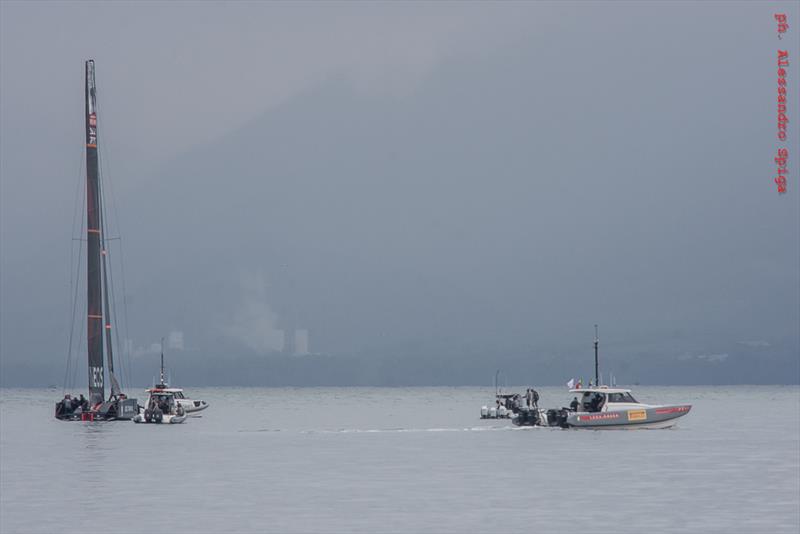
(603, 407)
(162, 407)
(169, 402)
(503, 403)
(615, 408)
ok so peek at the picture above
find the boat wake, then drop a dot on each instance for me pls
(400, 430)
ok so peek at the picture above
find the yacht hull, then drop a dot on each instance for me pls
(116, 410)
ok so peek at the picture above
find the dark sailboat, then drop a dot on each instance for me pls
(117, 405)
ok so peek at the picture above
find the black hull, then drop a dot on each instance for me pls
(118, 410)
(89, 417)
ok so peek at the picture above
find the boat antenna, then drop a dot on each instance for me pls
(162, 360)
(496, 382)
(596, 364)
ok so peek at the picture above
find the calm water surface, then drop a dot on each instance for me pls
(401, 460)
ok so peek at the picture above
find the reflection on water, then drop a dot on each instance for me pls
(402, 459)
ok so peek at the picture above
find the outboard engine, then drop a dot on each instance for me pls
(502, 412)
(527, 417)
(493, 412)
(563, 413)
(484, 412)
(557, 417)
(551, 417)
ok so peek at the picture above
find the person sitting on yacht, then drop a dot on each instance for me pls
(65, 406)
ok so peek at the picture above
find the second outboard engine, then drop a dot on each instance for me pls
(526, 417)
(562, 417)
(557, 417)
(551, 417)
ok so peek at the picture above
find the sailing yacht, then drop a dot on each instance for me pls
(97, 406)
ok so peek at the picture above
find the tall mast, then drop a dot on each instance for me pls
(93, 286)
(162, 362)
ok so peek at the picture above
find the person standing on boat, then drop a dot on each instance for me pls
(66, 405)
(597, 402)
(574, 404)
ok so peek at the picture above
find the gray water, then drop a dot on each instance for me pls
(401, 460)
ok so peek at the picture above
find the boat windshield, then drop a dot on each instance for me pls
(621, 397)
(163, 398)
(592, 401)
(162, 401)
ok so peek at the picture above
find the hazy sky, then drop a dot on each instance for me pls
(407, 178)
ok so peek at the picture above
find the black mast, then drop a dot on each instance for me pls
(93, 288)
(596, 365)
(162, 383)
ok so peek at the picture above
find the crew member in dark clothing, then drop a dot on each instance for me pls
(574, 404)
(65, 406)
(83, 403)
(597, 402)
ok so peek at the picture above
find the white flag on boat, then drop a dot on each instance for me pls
(571, 383)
